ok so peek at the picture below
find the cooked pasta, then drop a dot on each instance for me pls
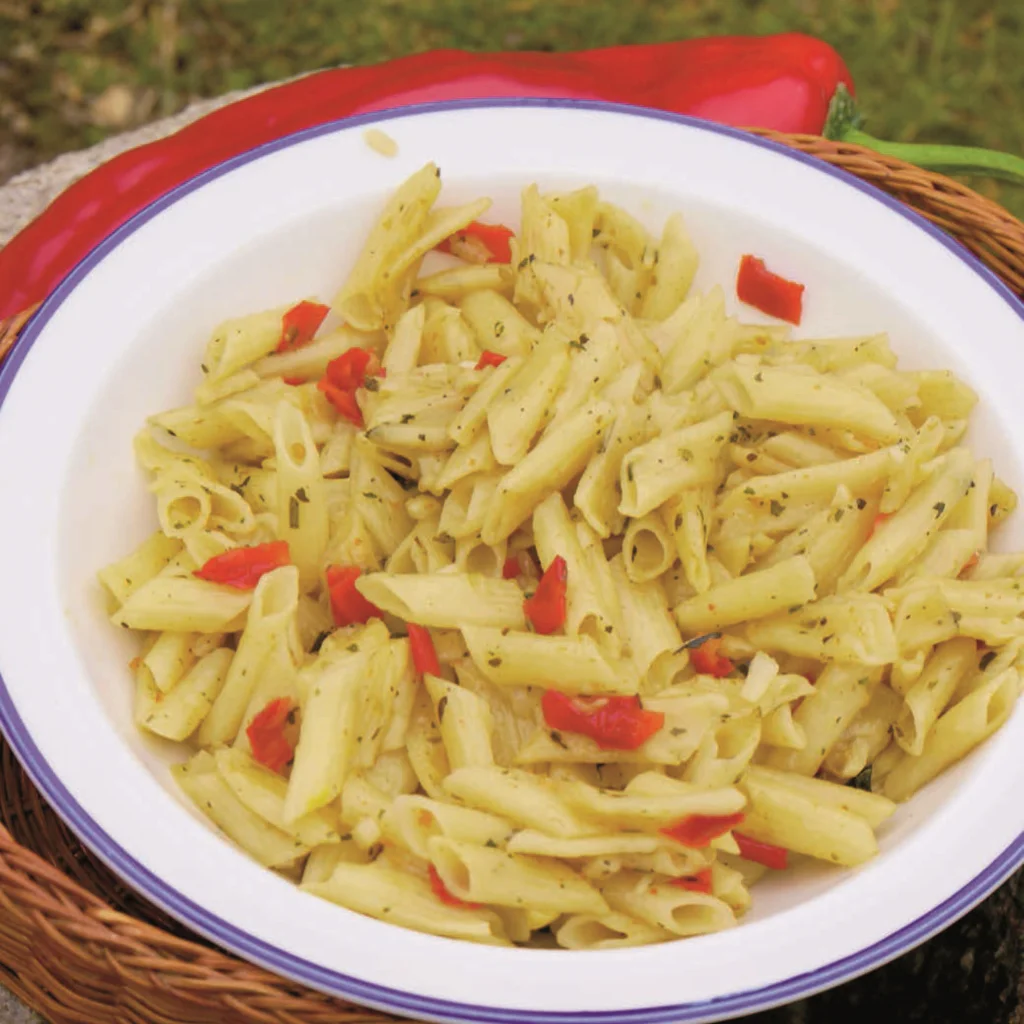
(539, 600)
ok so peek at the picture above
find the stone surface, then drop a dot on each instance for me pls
(970, 974)
(14, 1011)
(30, 192)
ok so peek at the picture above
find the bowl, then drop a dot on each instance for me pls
(121, 338)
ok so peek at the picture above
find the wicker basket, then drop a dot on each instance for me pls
(80, 947)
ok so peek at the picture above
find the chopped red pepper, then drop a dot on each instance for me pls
(349, 370)
(424, 655)
(480, 243)
(242, 568)
(347, 605)
(614, 723)
(343, 401)
(757, 286)
(271, 747)
(775, 857)
(344, 376)
(700, 882)
(518, 565)
(489, 358)
(698, 830)
(442, 893)
(546, 609)
(300, 323)
(294, 382)
(708, 661)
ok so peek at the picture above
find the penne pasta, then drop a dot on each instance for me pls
(446, 600)
(551, 588)
(752, 596)
(954, 735)
(569, 664)
(660, 469)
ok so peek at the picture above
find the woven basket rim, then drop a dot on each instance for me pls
(58, 897)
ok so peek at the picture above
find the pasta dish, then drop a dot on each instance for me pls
(525, 595)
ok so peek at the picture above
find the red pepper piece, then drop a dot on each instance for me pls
(271, 746)
(442, 893)
(424, 654)
(242, 568)
(698, 830)
(344, 376)
(343, 401)
(489, 358)
(614, 723)
(300, 323)
(757, 286)
(349, 370)
(518, 565)
(700, 882)
(347, 605)
(774, 857)
(480, 243)
(546, 609)
(708, 661)
(294, 382)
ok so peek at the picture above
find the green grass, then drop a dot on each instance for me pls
(926, 70)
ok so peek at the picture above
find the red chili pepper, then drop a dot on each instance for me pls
(424, 655)
(789, 83)
(707, 660)
(614, 723)
(489, 358)
(347, 605)
(700, 882)
(510, 570)
(971, 562)
(546, 609)
(343, 401)
(757, 286)
(480, 243)
(698, 830)
(442, 893)
(242, 568)
(294, 382)
(774, 857)
(300, 323)
(271, 746)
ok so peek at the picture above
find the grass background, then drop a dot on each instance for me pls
(75, 71)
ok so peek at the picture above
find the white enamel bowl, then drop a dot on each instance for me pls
(122, 338)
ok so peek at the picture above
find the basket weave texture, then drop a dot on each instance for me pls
(82, 948)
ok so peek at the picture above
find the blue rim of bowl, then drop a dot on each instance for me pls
(275, 959)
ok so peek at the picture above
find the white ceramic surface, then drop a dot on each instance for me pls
(123, 338)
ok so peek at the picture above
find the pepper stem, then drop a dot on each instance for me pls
(843, 125)
(962, 159)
